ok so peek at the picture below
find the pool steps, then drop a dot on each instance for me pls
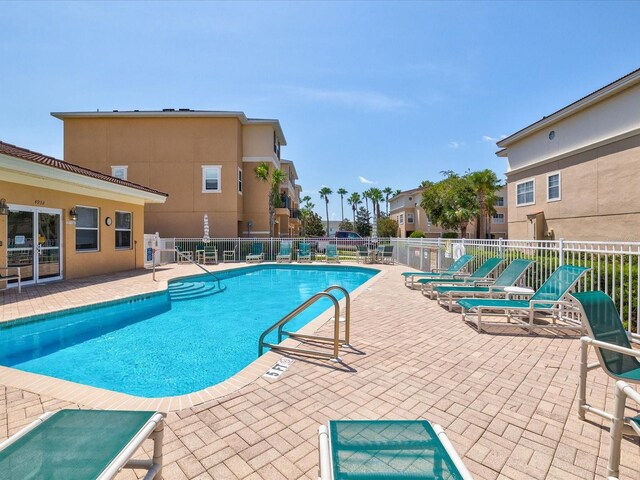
(191, 290)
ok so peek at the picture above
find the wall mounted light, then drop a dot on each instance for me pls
(4, 208)
(73, 214)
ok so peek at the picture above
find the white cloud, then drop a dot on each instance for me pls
(364, 180)
(487, 138)
(455, 145)
(353, 98)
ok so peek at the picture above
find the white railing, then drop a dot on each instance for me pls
(615, 266)
(242, 247)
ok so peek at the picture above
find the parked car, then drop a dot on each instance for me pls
(346, 240)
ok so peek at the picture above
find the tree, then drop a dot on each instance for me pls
(376, 196)
(450, 203)
(367, 196)
(314, 225)
(346, 225)
(486, 184)
(387, 227)
(305, 212)
(388, 192)
(363, 226)
(354, 200)
(324, 193)
(275, 179)
(342, 192)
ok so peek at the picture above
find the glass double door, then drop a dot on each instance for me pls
(34, 242)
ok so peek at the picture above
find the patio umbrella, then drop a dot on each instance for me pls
(206, 237)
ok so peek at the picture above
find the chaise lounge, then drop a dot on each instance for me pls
(479, 274)
(83, 444)
(455, 268)
(547, 300)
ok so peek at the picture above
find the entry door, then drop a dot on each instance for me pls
(34, 243)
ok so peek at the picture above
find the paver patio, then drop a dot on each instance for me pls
(506, 399)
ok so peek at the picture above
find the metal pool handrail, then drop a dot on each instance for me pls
(182, 255)
(335, 340)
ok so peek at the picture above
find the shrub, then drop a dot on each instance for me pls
(417, 234)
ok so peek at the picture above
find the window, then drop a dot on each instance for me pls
(119, 171)
(239, 180)
(553, 187)
(409, 217)
(211, 179)
(499, 202)
(498, 218)
(525, 193)
(123, 230)
(87, 229)
(401, 219)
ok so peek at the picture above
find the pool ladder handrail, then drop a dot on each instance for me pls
(185, 257)
(335, 340)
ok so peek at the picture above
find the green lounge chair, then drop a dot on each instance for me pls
(484, 288)
(480, 273)
(547, 299)
(304, 253)
(82, 445)
(393, 449)
(285, 253)
(617, 358)
(256, 255)
(387, 255)
(362, 254)
(456, 267)
(210, 255)
(332, 254)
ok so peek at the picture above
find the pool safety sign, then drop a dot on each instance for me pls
(279, 368)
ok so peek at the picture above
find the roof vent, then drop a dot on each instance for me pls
(168, 110)
(184, 109)
(115, 110)
(136, 110)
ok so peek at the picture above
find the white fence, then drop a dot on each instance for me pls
(615, 266)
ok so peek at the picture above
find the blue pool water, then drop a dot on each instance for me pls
(153, 347)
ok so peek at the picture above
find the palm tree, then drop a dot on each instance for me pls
(486, 184)
(342, 192)
(305, 211)
(354, 200)
(375, 195)
(366, 197)
(387, 193)
(275, 179)
(324, 193)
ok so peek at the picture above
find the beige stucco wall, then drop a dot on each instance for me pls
(167, 154)
(76, 265)
(257, 141)
(599, 199)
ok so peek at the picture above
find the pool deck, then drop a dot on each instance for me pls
(506, 399)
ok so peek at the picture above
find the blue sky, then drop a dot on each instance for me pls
(388, 93)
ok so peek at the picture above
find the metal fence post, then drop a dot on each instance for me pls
(438, 253)
(421, 255)
(561, 251)
(500, 248)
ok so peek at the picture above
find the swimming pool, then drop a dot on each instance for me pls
(151, 346)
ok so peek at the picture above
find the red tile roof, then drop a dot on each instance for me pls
(35, 157)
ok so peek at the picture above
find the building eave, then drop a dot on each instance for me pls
(172, 113)
(599, 95)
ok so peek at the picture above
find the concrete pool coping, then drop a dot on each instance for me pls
(94, 397)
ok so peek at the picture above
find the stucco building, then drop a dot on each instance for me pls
(406, 210)
(59, 220)
(205, 160)
(574, 173)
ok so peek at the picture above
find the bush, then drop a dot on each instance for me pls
(450, 235)
(417, 234)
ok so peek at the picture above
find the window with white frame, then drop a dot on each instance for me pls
(87, 229)
(211, 178)
(119, 171)
(123, 230)
(401, 218)
(553, 187)
(239, 180)
(525, 193)
(409, 217)
(499, 202)
(498, 218)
